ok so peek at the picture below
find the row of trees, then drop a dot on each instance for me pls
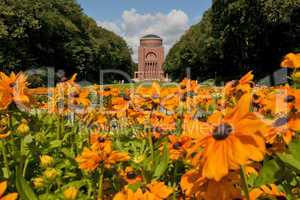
(56, 33)
(235, 36)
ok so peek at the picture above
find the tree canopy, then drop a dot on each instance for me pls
(235, 36)
(56, 33)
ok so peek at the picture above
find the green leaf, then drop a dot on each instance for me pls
(55, 144)
(290, 160)
(134, 187)
(268, 173)
(294, 148)
(163, 164)
(24, 190)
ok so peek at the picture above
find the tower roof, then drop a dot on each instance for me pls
(151, 36)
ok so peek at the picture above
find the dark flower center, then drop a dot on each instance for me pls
(131, 175)
(177, 145)
(158, 129)
(107, 89)
(12, 85)
(280, 121)
(289, 98)
(235, 83)
(281, 197)
(101, 139)
(182, 87)
(255, 96)
(126, 97)
(155, 96)
(75, 95)
(222, 132)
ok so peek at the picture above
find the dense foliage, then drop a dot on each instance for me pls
(57, 34)
(235, 36)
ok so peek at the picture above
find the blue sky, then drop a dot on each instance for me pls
(110, 10)
(133, 18)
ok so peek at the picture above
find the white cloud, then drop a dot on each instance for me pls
(133, 25)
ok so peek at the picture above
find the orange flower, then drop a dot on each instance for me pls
(89, 159)
(13, 89)
(154, 191)
(130, 176)
(178, 146)
(195, 186)
(238, 88)
(11, 196)
(157, 190)
(100, 152)
(4, 135)
(235, 140)
(266, 191)
(291, 60)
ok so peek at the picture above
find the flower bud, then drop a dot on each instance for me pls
(71, 193)
(51, 173)
(38, 182)
(23, 128)
(46, 161)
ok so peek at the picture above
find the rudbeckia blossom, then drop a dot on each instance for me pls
(236, 140)
(11, 196)
(13, 89)
(100, 152)
(266, 191)
(195, 186)
(154, 190)
(130, 176)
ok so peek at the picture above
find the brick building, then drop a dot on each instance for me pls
(151, 59)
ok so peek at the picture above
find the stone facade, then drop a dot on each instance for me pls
(151, 58)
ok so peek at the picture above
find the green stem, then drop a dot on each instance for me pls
(174, 181)
(244, 182)
(151, 147)
(59, 127)
(25, 166)
(10, 123)
(101, 172)
(4, 154)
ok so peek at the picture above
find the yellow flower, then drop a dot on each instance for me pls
(51, 173)
(46, 161)
(38, 182)
(23, 128)
(291, 60)
(296, 76)
(71, 193)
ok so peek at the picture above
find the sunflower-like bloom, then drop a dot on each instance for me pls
(68, 96)
(195, 186)
(11, 196)
(178, 146)
(266, 191)
(130, 176)
(13, 89)
(155, 190)
(291, 60)
(238, 88)
(236, 140)
(100, 152)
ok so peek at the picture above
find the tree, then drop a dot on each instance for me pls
(57, 34)
(236, 36)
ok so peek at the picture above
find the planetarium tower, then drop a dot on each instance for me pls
(151, 59)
